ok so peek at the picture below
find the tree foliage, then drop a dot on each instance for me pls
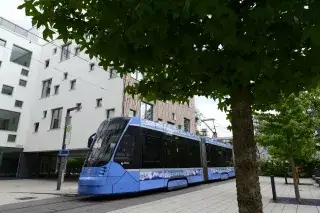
(289, 133)
(290, 130)
(194, 47)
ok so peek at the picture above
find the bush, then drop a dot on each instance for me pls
(280, 168)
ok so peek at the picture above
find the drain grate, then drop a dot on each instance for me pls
(26, 198)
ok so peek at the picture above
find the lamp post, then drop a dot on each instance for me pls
(63, 154)
(214, 132)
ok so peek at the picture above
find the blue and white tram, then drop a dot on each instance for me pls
(132, 155)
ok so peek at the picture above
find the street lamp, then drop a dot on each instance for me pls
(63, 154)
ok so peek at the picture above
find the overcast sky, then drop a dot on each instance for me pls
(206, 106)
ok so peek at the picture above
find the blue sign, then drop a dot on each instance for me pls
(63, 152)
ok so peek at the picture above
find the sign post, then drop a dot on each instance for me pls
(63, 154)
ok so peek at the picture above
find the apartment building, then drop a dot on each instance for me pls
(61, 77)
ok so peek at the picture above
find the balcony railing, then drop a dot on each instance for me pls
(16, 29)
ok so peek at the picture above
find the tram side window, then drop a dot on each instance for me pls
(129, 150)
(193, 153)
(170, 157)
(151, 154)
(218, 156)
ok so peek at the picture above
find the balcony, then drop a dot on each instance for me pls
(18, 30)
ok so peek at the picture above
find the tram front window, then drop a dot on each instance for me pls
(105, 142)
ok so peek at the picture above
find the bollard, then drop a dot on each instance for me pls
(285, 178)
(273, 187)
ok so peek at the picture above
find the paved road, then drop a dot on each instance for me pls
(70, 204)
(219, 197)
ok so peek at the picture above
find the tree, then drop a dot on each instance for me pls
(289, 133)
(247, 54)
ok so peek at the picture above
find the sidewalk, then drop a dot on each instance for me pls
(15, 191)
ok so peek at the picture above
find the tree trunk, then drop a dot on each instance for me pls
(295, 180)
(245, 151)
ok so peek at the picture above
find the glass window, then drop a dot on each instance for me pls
(9, 120)
(151, 154)
(110, 113)
(36, 126)
(24, 72)
(65, 52)
(44, 114)
(7, 90)
(146, 111)
(99, 102)
(56, 89)
(186, 124)
(179, 126)
(46, 88)
(18, 103)
(76, 51)
(92, 66)
(65, 76)
(171, 123)
(22, 82)
(132, 113)
(113, 73)
(21, 56)
(12, 138)
(73, 84)
(54, 51)
(173, 116)
(56, 118)
(2, 42)
(47, 62)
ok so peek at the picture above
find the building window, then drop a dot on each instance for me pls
(54, 51)
(65, 76)
(76, 51)
(159, 119)
(21, 56)
(132, 113)
(7, 90)
(137, 75)
(12, 138)
(113, 73)
(92, 66)
(73, 84)
(179, 126)
(18, 103)
(146, 111)
(9, 120)
(65, 53)
(36, 126)
(186, 124)
(47, 62)
(173, 116)
(2, 42)
(79, 106)
(56, 118)
(22, 82)
(44, 114)
(110, 113)
(171, 123)
(56, 89)
(24, 72)
(0, 63)
(99, 102)
(46, 88)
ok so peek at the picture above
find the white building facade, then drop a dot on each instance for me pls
(51, 78)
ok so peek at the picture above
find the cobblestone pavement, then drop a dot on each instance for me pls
(213, 197)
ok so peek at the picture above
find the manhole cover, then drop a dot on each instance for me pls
(26, 198)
